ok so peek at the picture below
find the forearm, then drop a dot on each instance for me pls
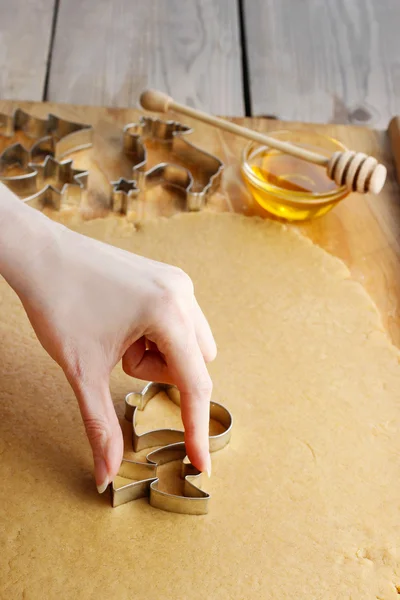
(25, 235)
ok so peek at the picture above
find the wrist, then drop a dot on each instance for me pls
(26, 237)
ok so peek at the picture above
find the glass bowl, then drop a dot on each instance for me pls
(288, 187)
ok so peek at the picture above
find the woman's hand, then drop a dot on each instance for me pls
(92, 305)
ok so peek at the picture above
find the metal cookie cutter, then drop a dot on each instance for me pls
(56, 138)
(144, 475)
(207, 167)
(74, 136)
(32, 186)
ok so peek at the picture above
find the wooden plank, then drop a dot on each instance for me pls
(364, 231)
(107, 52)
(25, 31)
(324, 60)
(394, 137)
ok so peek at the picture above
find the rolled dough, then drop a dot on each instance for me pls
(305, 499)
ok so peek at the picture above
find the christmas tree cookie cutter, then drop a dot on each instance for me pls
(143, 476)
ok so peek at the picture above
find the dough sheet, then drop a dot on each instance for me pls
(305, 499)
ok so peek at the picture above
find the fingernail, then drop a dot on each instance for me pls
(102, 488)
(101, 474)
(209, 466)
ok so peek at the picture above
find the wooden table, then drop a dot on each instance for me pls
(314, 60)
(364, 231)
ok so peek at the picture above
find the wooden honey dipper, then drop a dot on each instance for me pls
(356, 170)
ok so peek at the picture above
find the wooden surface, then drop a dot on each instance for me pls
(106, 52)
(314, 60)
(25, 32)
(325, 61)
(364, 231)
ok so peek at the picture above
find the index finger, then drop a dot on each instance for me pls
(189, 373)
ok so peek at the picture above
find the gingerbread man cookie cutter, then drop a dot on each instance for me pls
(143, 476)
(173, 135)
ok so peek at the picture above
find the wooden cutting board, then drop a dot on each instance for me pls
(364, 231)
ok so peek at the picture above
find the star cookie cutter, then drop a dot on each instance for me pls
(32, 186)
(45, 160)
(144, 477)
(173, 134)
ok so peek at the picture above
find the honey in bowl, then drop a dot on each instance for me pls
(289, 187)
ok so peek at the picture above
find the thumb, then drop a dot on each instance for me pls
(102, 428)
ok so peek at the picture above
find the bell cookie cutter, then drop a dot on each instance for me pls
(173, 134)
(144, 475)
(45, 160)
